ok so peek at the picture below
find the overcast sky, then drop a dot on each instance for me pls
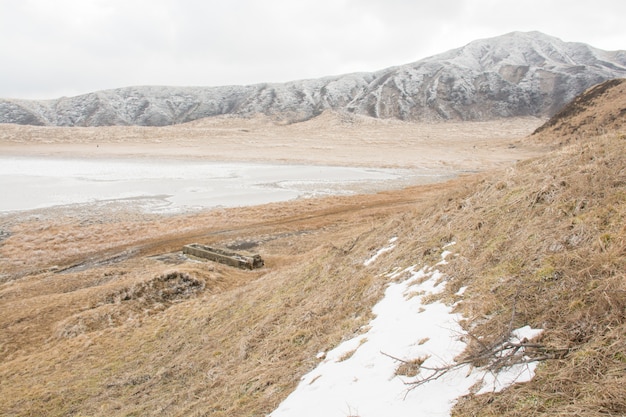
(68, 47)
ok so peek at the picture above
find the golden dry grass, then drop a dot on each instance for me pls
(103, 339)
(329, 139)
(542, 243)
(548, 240)
(597, 111)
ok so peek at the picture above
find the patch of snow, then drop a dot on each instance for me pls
(381, 251)
(525, 332)
(461, 291)
(359, 377)
(444, 255)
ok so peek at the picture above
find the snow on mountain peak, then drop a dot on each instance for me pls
(516, 74)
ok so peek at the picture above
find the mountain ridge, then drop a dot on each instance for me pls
(516, 74)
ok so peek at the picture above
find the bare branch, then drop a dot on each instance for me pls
(393, 357)
(498, 356)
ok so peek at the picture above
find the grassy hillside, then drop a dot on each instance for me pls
(115, 331)
(542, 243)
(545, 244)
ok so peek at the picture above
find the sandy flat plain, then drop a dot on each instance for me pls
(329, 139)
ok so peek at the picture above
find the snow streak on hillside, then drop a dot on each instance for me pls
(517, 74)
(389, 369)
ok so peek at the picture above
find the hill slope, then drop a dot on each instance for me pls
(517, 74)
(94, 324)
(545, 244)
(598, 110)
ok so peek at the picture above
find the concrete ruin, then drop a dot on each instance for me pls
(244, 261)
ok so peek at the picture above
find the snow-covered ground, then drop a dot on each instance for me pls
(174, 185)
(360, 378)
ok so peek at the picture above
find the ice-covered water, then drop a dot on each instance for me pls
(174, 185)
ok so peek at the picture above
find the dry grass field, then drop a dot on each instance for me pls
(100, 315)
(329, 139)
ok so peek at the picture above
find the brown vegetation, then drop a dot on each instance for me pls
(103, 322)
(329, 139)
(549, 242)
(96, 335)
(598, 110)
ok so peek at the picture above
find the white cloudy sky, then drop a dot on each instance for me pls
(68, 47)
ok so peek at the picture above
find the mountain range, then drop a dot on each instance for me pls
(516, 74)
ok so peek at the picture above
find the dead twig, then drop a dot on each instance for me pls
(498, 356)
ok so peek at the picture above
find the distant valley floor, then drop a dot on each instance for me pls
(329, 139)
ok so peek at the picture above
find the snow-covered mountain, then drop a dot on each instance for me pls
(517, 74)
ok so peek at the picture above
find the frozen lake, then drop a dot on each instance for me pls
(178, 185)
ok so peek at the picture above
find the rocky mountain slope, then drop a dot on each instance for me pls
(517, 74)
